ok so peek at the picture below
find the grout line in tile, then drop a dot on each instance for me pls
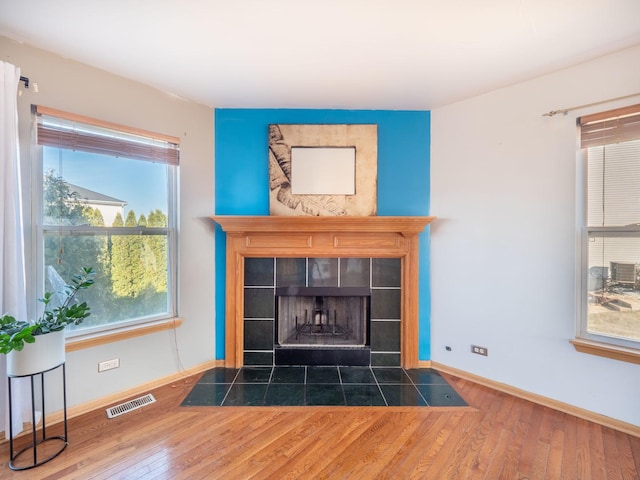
(344, 394)
(230, 387)
(379, 387)
(264, 397)
(417, 389)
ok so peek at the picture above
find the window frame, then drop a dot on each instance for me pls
(587, 342)
(91, 336)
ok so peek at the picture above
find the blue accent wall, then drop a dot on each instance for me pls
(242, 179)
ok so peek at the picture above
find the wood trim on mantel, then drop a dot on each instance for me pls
(306, 236)
(241, 224)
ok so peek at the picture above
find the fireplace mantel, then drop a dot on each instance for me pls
(305, 236)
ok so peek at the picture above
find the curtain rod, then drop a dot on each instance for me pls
(25, 80)
(564, 111)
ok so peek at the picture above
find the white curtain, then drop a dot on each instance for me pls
(12, 264)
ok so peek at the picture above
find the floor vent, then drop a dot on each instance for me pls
(130, 405)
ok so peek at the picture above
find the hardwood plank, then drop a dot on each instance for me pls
(236, 455)
(444, 446)
(569, 448)
(610, 448)
(583, 459)
(539, 466)
(508, 427)
(361, 449)
(554, 463)
(334, 438)
(635, 448)
(530, 443)
(155, 456)
(466, 458)
(496, 462)
(512, 455)
(630, 455)
(407, 454)
(596, 452)
(405, 428)
(284, 446)
(496, 437)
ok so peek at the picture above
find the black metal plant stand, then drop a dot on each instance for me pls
(35, 440)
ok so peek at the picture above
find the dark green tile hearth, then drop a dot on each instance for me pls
(391, 375)
(246, 395)
(362, 375)
(324, 394)
(254, 375)
(403, 396)
(441, 396)
(219, 375)
(323, 375)
(206, 395)
(288, 375)
(425, 376)
(285, 394)
(363, 396)
(322, 386)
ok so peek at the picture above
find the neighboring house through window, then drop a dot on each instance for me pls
(108, 207)
(610, 143)
(107, 200)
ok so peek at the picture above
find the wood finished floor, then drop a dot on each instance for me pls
(498, 437)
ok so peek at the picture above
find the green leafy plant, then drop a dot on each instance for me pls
(14, 334)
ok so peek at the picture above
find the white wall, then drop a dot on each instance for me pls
(77, 88)
(504, 245)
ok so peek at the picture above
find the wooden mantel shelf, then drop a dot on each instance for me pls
(306, 236)
(241, 224)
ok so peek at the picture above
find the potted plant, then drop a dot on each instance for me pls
(18, 338)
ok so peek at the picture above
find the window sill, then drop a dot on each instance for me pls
(117, 335)
(607, 350)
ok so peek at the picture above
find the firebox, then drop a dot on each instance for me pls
(328, 324)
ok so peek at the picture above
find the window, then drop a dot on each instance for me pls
(610, 143)
(106, 199)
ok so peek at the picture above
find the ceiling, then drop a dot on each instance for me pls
(355, 54)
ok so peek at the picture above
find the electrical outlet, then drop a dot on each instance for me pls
(479, 350)
(108, 365)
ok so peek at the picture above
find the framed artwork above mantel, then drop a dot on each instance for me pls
(323, 170)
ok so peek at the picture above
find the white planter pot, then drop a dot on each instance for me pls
(46, 353)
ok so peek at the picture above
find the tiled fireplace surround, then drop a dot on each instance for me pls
(265, 252)
(381, 275)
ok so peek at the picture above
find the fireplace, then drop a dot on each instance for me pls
(335, 244)
(322, 326)
(317, 317)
